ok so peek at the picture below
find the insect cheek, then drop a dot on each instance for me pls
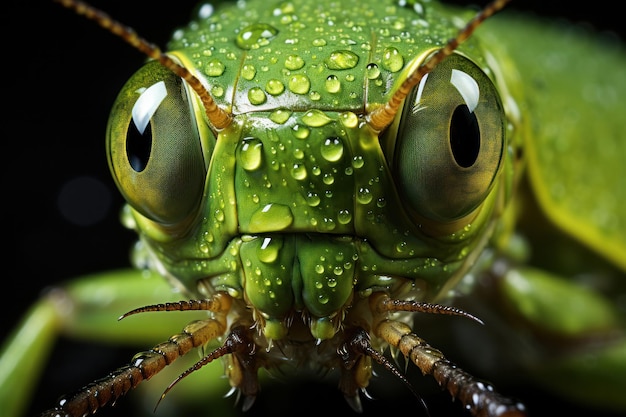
(154, 147)
(449, 144)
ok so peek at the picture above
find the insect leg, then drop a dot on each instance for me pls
(142, 367)
(478, 397)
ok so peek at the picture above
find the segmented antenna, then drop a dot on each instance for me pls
(218, 117)
(383, 116)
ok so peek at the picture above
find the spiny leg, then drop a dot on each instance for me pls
(242, 369)
(218, 303)
(144, 365)
(478, 397)
(357, 353)
(384, 303)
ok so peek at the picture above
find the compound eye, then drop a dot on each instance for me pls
(450, 141)
(154, 147)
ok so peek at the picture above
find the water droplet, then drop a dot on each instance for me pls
(255, 35)
(139, 358)
(342, 60)
(319, 42)
(294, 62)
(217, 90)
(392, 59)
(364, 195)
(358, 162)
(205, 11)
(418, 7)
(256, 96)
(270, 218)
(299, 84)
(349, 119)
(372, 71)
(214, 68)
(298, 172)
(251, 155)
(274, 87)
(219, 215)
(319, 269)
(284, 8)
(316, 118)
(248, 72)
(344, 216)
(332, 84)
(298, 153)
(332, 149)
(328, 179)
(301, 132)
(312, 199)
(315, 96)
(401, 247)
(269, 250)
(280, 116)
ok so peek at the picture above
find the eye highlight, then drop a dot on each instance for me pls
(139, 136)
(147, 104)
(450, 141)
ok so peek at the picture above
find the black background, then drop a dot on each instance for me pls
(61, 74)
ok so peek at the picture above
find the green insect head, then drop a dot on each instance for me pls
(302, 178)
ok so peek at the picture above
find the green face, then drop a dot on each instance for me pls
(299, 205)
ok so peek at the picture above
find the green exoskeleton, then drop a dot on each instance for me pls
(305, 217)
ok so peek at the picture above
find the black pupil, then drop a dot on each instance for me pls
(464, 136)
(138, 147)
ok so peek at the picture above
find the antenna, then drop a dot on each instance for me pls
(219, 118)
(383, 116)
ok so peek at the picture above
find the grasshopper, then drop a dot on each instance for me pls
(486, 26)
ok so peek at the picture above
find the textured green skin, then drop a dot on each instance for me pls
(569, 206)
(309, 35)
(332, 211)
(575, 98)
